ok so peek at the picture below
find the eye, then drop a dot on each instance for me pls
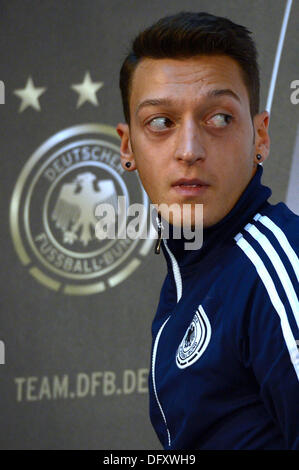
(220, 120)
(160, 123)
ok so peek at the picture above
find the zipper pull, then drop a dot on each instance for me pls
(160, 228)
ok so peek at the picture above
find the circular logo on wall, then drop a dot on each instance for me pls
(195, 341)
(53, 212)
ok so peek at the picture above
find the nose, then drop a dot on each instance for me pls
(189, 147)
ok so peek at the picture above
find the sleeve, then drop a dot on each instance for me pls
(274, 358)
(271, 349)
(272, 322)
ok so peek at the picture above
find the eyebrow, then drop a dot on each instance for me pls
(168, 101)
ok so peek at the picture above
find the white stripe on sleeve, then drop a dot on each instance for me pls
(279, 267)
(282, 239)
(275, 299)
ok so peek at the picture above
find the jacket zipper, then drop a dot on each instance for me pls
(178, 283)
(176, 272)
(154, 380)
(160, 228)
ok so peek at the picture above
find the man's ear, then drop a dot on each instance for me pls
(126, 152)
(262, 139)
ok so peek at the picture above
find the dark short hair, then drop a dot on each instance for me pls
(186, 35)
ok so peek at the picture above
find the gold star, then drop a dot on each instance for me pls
(29, 96)
(87, 90)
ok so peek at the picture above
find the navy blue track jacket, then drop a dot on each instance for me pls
(225, 363)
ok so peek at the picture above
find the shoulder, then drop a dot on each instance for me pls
(269, 248)
(271, 238)
(263, 262)
(268, 274)
(280, 219)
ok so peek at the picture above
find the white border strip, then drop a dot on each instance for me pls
(278, 55)
(278, 265)
(282, 239)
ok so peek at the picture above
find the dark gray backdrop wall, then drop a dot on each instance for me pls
(76, 328)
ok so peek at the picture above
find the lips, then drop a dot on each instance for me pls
(190, 188)
(190, 183)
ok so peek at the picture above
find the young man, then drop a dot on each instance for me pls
(225, 368)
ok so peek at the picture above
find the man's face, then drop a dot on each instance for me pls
(191, 136)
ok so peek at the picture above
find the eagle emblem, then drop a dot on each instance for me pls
(190, 336)
(195, 340)
(75, 206)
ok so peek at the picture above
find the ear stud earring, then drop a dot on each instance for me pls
(128, 164)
